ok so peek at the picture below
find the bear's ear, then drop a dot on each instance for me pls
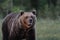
(34, 12)
(21, 13)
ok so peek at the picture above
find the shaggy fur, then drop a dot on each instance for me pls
(12, 28)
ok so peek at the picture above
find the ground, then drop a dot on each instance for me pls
(46, 29)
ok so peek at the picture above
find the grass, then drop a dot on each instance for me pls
(0, 29)
(46, 29)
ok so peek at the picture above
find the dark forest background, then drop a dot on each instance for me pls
(45, 8)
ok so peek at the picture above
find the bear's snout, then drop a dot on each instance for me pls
(30, 20)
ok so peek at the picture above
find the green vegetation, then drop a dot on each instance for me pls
(0, 29)
(48, 30)
(44, 8)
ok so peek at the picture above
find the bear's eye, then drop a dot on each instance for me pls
(26, 17)
(32, 17)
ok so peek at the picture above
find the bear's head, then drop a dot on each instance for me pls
(27, 19)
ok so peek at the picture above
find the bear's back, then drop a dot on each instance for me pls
(9, 19)
(9, 16)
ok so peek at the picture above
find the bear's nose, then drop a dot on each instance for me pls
(30, 20)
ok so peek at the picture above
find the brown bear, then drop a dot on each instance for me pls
(19, 26)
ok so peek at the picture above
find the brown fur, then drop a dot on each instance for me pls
(14, 28)
(23, 18)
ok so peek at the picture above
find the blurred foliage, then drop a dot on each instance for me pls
(44, 8)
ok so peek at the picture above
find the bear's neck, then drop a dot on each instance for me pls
(25, 29)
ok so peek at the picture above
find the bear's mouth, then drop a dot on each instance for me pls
(30, 25)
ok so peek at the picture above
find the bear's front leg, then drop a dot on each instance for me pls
(31, 35)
